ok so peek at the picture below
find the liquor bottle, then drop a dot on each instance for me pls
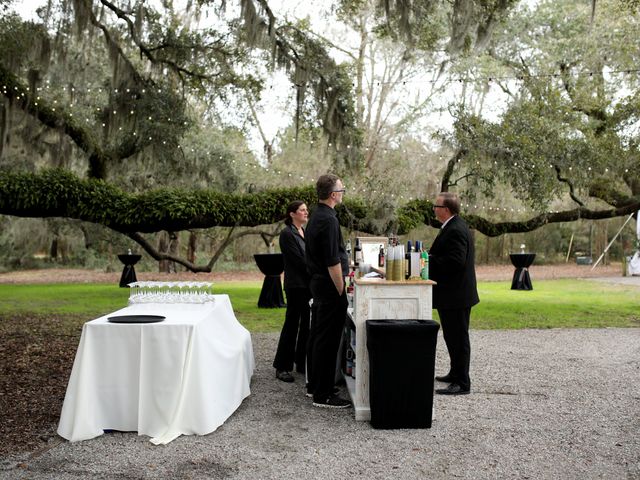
(357, 253)
(381, 257)
(414, 261)
(349, 361)
(388, 267)
(407, 259)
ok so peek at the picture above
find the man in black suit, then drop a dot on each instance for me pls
(451, 266)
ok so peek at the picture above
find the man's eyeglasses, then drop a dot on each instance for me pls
(342, 190)
(439, 206)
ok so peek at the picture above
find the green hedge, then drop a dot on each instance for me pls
(60, 193)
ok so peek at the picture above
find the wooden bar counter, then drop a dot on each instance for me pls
(378, 299)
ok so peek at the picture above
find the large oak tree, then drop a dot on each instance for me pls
(568, 129)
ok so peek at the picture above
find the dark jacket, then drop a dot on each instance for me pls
(452, 266)
(292, 247)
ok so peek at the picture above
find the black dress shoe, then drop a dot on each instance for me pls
(445, 378)
(453, 389)
(284, 376)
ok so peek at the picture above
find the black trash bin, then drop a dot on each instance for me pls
(402, 355)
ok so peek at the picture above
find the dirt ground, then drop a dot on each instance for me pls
(484, 272)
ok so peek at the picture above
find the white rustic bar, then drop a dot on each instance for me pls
(378, 299)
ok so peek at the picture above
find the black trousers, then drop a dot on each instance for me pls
(292, 345)
(455, 330)
(330, 311)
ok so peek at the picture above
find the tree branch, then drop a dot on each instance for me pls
(157, 255)
(418, 212)
(58, 119)
(571, 187)
(121, 14)
(266, 144)
(323, 39)
(497, 229)
(451, 164)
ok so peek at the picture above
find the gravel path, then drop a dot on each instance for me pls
(545, 404)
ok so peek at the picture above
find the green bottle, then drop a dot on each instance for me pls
(424, 260)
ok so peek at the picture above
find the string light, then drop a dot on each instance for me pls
(349, 146)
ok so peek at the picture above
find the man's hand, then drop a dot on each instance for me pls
(335, 272)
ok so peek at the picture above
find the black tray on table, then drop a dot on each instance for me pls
(136, 318)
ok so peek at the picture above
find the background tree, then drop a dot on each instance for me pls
(130, 104)
(570, 127)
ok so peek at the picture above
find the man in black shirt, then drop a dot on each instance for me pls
(327, 263)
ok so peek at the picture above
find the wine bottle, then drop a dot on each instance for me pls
(357, 253)
(381, 257)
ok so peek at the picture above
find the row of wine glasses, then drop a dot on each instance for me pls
(170, 292)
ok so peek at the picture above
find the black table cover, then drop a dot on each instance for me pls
(271, 265)
(521, 278)
(128, 273)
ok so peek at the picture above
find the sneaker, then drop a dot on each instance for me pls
(309, 393)
(334, 401)
(284, 376)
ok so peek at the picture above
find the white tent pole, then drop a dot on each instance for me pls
(613, 240)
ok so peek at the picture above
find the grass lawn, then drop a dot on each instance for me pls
(562, 303)
(552, 304)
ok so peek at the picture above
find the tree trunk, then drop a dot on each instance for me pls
(192, 247)
(88, 240)
(53, 251)
(600, 242)
(163, 246)
(487, 248)
(63, 250)
(174, 244)
(4, 127)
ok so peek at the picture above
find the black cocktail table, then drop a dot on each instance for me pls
(522, 262)
(128, 273)
(272, 266)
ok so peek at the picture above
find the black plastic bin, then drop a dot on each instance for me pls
(402, 355)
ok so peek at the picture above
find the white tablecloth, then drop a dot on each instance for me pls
(634, 264)
(183, 376)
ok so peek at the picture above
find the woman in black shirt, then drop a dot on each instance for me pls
(295, 331)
